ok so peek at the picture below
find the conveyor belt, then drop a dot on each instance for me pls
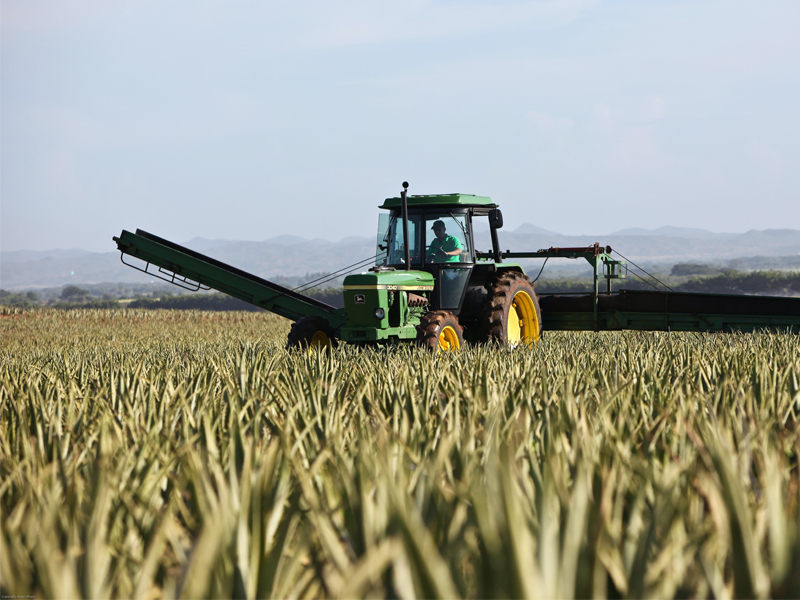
(244, 274)
(182, 266)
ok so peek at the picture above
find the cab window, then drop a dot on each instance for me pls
(391, 245)
(446, 239)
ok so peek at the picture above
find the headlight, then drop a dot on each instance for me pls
(380, 313)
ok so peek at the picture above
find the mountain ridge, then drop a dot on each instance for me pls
(292, 255)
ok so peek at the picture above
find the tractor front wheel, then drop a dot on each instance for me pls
(311, 332)
(440, 331)
(512, 310)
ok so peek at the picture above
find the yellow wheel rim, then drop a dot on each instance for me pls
(320, 339)
(523, 324)
(448, 340)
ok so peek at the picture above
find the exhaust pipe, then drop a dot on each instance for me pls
(406, 241)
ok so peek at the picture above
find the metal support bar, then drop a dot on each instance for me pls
(192, 286)
(497, 254)
(596, 255)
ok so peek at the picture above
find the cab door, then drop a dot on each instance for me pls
(451, 284)
(449, 231)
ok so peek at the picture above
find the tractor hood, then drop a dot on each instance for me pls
(377, 305)
(390, 280)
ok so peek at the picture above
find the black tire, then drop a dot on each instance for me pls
(310, 332)
(440, 331)
(511, 297)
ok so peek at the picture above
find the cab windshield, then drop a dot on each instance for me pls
(443, 234)
(446, 239)
(391, 245)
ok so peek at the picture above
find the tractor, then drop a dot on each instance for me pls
(430, 285)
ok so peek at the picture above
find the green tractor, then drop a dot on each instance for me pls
(431, 285)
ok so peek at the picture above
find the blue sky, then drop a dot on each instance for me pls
(247, 120)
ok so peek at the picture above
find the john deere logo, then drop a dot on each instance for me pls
(359, 298)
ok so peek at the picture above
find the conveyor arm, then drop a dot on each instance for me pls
(183, 266)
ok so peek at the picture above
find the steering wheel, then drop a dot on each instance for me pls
(438, 255)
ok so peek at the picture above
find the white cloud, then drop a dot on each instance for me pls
(366, 22)
(34, 16)
(213, 115)
(62, 176)
(68, 125)
(634, 147)
(767, 159)
(602, 114)
(623, 142)
(548, 122)
(653, 109)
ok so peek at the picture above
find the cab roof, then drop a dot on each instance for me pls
(439, 200)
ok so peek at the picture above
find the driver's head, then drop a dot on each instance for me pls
(439, 229)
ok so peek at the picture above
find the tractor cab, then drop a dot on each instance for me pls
(440, 241)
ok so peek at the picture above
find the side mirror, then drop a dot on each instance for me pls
(496, 218)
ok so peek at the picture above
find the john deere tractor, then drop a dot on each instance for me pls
(430, 284)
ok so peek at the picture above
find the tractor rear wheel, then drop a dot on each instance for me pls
(512, 311)
(440, 331)
(311, 332)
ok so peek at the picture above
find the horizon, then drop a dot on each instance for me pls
(369, 237)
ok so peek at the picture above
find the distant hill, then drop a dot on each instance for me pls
(265, 259)
(201, 244)
(686, 232)
(664, 248)
(528, 229)
(290, 256)
(291, 240)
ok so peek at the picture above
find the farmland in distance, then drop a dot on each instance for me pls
(152, 454)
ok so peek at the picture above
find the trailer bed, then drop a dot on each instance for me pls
(669, 311)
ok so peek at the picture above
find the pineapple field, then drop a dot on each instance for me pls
(159, 454)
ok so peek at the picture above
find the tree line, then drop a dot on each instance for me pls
(724, 281)
(73, 297)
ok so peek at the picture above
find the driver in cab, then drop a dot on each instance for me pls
(444, 248)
